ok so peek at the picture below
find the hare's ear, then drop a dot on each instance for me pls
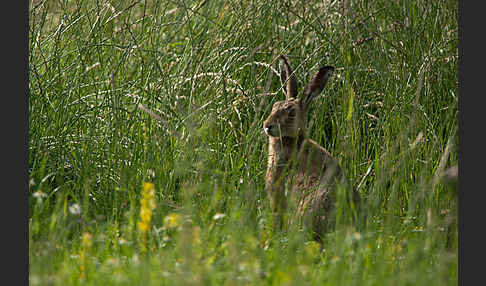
(287, 78)
(316, 84)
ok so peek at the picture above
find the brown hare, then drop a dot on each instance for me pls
(297, 161)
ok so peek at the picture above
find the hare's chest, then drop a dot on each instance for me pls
(279, 157)
(308, 191)
(303, 182)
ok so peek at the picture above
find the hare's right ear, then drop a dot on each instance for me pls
(287, 78)
(316, 85)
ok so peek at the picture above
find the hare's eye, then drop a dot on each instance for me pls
(291, 112)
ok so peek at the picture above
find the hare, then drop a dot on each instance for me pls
(293, 157)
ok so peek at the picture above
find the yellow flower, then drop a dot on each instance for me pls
(87, 240)
(147, 205)
(143, 227)
(148, 190)
(86, 243)
(312, 248)
(145, 215)
(172, 220)
(196, 235)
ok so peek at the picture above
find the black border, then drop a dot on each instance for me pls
(461, 151)
(471, 91)
(15, 210)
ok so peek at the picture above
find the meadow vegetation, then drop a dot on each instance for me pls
(119, 196)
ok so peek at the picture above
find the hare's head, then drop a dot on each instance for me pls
(288, 117)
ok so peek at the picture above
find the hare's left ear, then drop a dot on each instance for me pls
(287, 78)
(316, 85)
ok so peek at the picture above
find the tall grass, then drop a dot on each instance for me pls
(207, 68)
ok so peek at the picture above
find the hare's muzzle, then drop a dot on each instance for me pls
(269, 129)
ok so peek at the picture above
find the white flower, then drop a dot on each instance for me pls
(39, 196)
(218, 216)
(75, 209)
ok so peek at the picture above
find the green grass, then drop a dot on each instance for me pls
(388, 114)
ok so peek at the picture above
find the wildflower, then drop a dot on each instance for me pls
(34, 280)
(304, 269)
(147, 206)
(143, 227)
(87, 240)
(418, 229)
(86, 243)
(112, 262)
(147, 203)
(165, 238)
(134, 259)
(172, 220)
(75, 209)
(218, 216)
(123, 241)
(312, 248)
(335, 259)
(196, 235)
(39, 196)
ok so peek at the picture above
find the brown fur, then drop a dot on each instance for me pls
(294, 158)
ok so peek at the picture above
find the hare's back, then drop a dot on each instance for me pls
(316, 161)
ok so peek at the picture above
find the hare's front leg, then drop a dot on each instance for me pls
(314, 211)
(275, 190)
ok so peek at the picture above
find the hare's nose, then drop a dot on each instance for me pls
(268, 128)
